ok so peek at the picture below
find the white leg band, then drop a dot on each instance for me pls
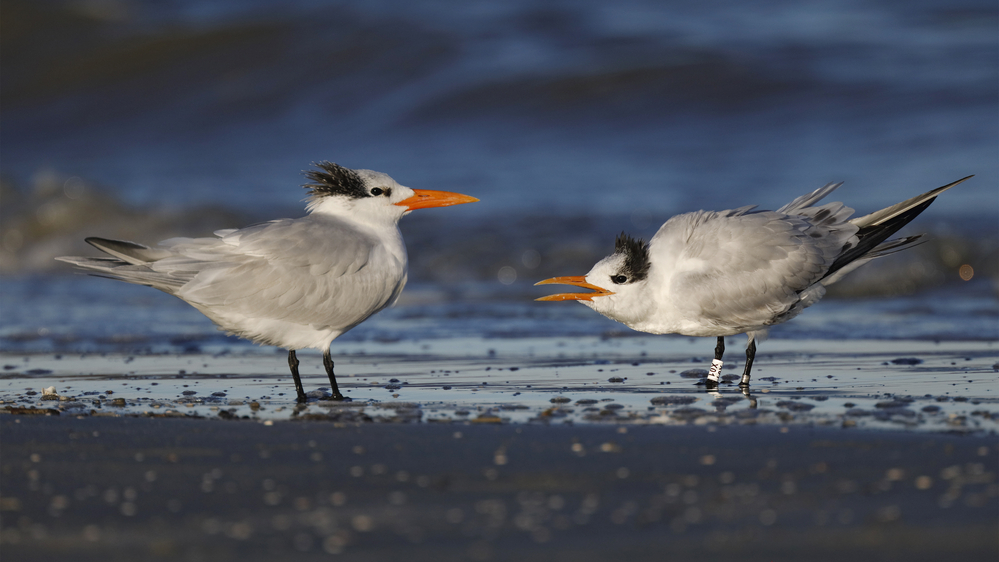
(714, 373)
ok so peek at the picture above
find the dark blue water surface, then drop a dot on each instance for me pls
(76, 314)
(570, 120)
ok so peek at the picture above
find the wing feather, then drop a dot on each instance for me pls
(301, 271)
(746, 271)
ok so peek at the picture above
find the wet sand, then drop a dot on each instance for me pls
(98, 488)
(568, 449)
(925, 386)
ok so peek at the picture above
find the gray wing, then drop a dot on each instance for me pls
(297, 270)
(799, 204)
(130, 263)
(751, 270)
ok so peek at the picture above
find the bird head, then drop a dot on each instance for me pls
(617, 283)
(374, 196)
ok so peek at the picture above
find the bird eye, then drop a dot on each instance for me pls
(376, 191)
(618, 279)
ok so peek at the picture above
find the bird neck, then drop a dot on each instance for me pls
(347, 211)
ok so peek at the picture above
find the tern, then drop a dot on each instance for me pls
(291, 283)
(722, 273)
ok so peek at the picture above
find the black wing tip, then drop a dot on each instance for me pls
(870, 237)
(97, 242)
(889, 247)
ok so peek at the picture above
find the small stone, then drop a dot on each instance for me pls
(891, 404)
(667, 400)
(795, 406)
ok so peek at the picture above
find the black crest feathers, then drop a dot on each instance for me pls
(333, 179)
(636, 257)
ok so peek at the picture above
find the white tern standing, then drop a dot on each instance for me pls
(740, 271)
(292, 283)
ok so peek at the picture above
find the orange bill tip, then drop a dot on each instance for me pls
(427, 198)
(577, 281)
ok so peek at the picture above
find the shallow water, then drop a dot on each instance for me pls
(945, 386)
(571, 122)
(79, 313)
(475, 351)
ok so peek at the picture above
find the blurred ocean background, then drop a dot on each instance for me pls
(571, 120)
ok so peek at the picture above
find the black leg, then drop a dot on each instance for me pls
(293, 363)
(714, 374)
(750, 355)
(720, 348)
(328, 363)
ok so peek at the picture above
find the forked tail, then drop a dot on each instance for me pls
(875, 229)
(130, 263)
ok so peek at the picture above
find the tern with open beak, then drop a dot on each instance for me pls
(292, 283)
(721, 273)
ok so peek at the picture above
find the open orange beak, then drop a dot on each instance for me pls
(575, 281)
(426, 198)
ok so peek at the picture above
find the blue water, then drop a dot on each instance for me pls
(80, 314)
(570, 120)
(561, 107)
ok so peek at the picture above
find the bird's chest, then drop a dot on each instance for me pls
(370, 287)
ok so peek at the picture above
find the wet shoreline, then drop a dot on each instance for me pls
(96, 488)
(908, 385)
(485, 449)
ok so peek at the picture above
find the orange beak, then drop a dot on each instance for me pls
(425, 198)
(575, 281)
